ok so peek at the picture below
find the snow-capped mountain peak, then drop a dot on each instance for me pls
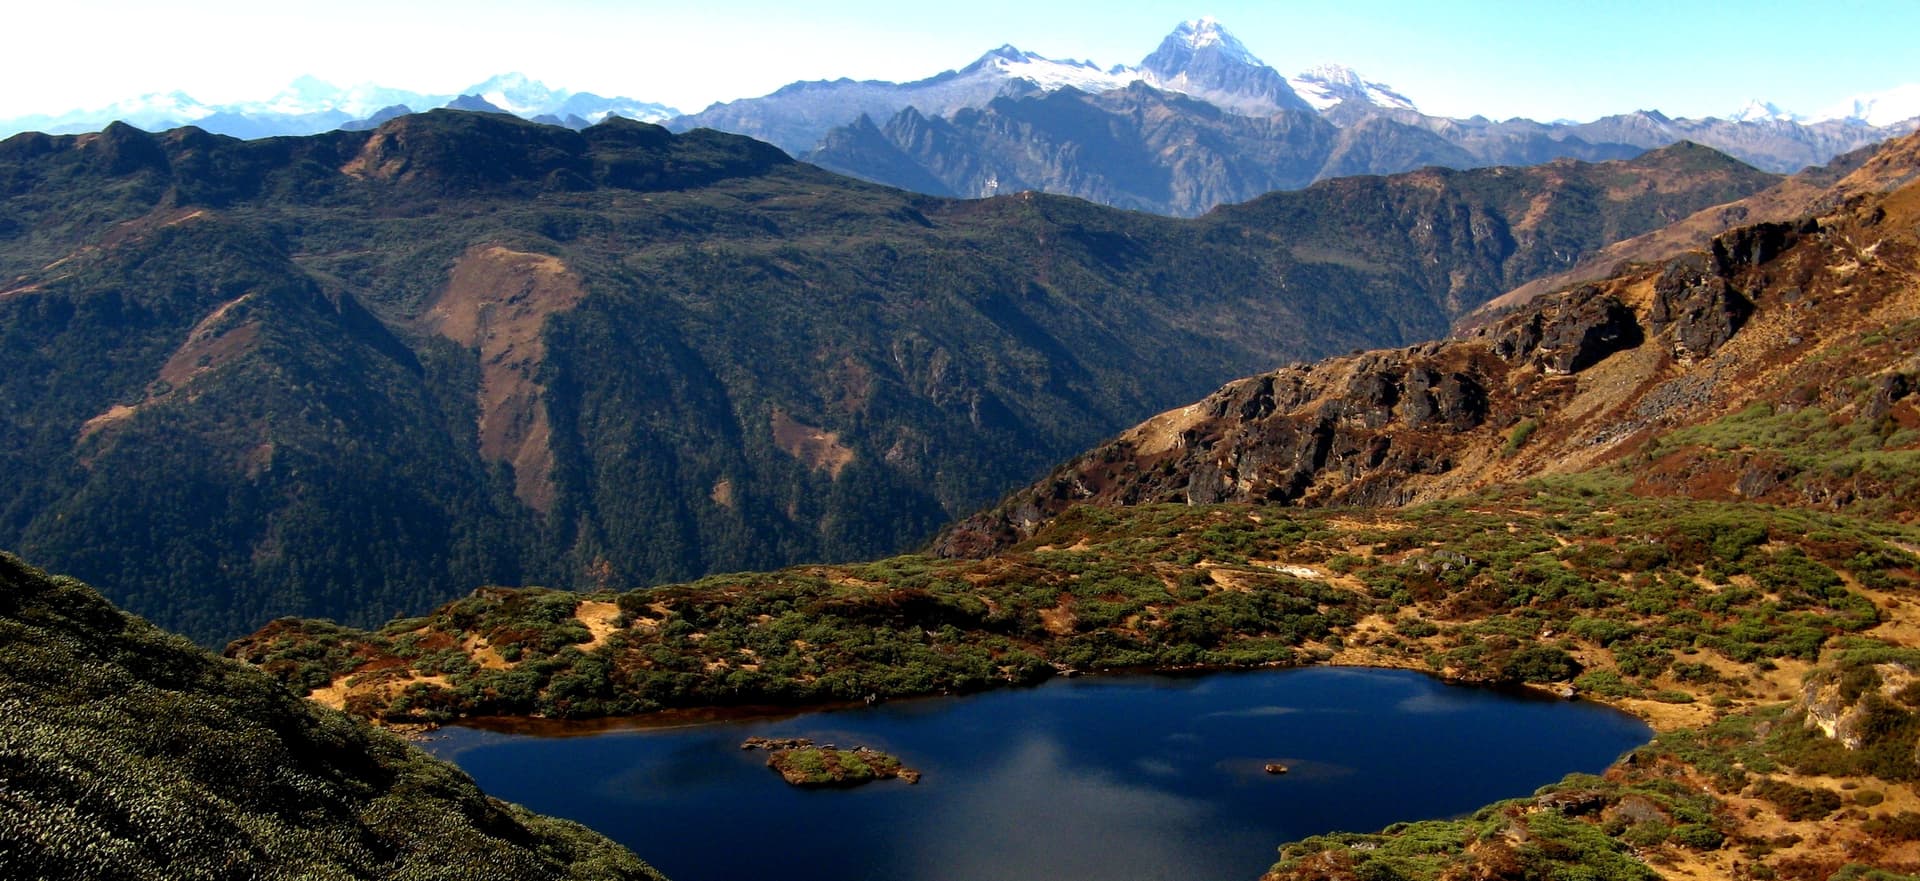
(1206, 32)
(1049, 73)
(1329, 84)
(1201, 59)
(517, 93)
(1202, 41)
(1757, 110)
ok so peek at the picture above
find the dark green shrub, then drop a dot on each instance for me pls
(1799, 803)
(1697, 836)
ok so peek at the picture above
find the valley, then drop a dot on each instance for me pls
(1735, 567)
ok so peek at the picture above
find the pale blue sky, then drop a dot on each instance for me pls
(1500, 57)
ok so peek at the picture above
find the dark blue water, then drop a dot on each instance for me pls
(1112, 779)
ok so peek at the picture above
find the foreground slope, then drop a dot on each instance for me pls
(129, 753)
(357, 373)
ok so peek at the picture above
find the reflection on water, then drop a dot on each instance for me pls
(1090, 820)
(1111, 779)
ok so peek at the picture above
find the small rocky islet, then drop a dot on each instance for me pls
(801, 762)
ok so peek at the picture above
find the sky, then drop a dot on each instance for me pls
(1500, 58)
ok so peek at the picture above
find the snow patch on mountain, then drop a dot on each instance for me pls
(1329, 84)
(1050, 73)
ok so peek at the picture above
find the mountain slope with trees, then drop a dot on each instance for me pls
(354, 373)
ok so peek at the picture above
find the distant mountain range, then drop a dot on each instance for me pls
(1202, 121)
(1199, 122)
(1883, 108)
(1200, 59)
(309, 106)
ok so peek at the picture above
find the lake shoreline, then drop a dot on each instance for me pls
(682, 717)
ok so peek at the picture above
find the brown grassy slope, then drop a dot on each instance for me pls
(1793, 316)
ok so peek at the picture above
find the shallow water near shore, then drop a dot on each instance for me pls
(1122, 778)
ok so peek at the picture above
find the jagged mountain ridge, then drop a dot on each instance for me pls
(1199, 58)
(1773, 314)
(622, 355)
(1812, 191)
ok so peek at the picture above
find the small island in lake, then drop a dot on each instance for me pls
(802, 763)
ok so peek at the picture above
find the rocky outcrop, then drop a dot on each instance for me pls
(1698, 306)
(1850, 706)
(1569, 336)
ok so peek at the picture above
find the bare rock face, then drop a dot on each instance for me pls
(1569, 333)
(1592, 326)
(1753, 245)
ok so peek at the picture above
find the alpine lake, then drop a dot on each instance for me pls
(1115, 778)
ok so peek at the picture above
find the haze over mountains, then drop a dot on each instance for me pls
(309, 105)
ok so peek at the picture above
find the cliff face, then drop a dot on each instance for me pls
(1769, 316)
